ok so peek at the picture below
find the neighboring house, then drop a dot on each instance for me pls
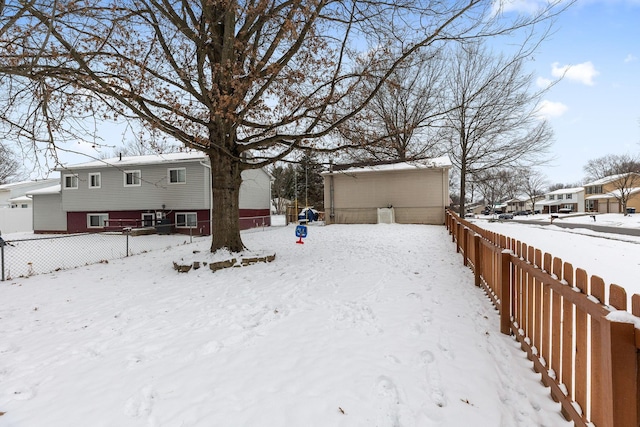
(605, 195)
(564, 200)
(16, 207)
(15, 195)
(516, 204)
(168, 190)
(408, 193)
(522, 203)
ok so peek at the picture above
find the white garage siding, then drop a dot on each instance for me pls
(418, 196)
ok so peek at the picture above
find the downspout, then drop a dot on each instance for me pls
(209, 192)
(445, 192)
(332, 212)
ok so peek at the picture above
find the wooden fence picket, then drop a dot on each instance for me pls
(560, 316)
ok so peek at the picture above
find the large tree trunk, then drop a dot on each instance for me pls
(225, 186)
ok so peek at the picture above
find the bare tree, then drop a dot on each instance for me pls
(398, 122)
(533, 184)
(621, 171)
(139, 148)
(494, 185)
(9, 166)
(611, 164)
(245, 81)
(492, 121)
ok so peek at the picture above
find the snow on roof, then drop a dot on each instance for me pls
(549, 202)
(567, 190)
(436, 162)
(53, 189)
(615, 194)
(127, 161)
(20, 199)
(37, 182)
(607, 179)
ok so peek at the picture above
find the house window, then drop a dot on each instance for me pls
(177, 176)
(132, 178)
(559, 196)
(552, 196)
(187, 219)
(24, 206)
(94, 180)
(569, 196)
(71, 181)
(97, 220)
(148, 219)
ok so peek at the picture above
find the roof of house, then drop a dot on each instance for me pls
(572, 190)
(615, 194)
(127, 161)
(53, 189)
(608, 179)
(27, 184)
(436, 162)
(20, 199)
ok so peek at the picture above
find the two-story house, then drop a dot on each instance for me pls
(564, 200)
(605, 195)
(172, 190)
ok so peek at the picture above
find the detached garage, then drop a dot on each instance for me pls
(407, 193)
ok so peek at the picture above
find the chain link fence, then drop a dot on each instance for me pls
(40, 254)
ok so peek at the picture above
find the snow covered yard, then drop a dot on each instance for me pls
(365, 325)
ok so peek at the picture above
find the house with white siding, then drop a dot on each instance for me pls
(562, 200)
(172, 191)
(414, 192)
(14, 195)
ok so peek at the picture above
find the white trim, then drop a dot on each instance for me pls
(134, 174)
(64, 181)
(152, 220)
(186, 220)
(99, 215)
(169, 170)
(91, 175)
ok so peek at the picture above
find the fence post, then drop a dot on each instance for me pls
(126, 233)
(618, 390)
(2, 261)
(477, 262)
(465, 246)
(505, 295)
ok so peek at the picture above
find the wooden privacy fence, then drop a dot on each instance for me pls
(585, 348)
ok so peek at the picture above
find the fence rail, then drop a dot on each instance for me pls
(585, 348)
(42, 254)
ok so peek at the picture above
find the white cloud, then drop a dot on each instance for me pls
(581, 73)
(630, 58)
(550, 109)
(523, 6)
(530, 7)
(543, 82)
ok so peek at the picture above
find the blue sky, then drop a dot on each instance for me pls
(595, 109)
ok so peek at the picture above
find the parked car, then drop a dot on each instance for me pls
(522, 213)
(505, 216)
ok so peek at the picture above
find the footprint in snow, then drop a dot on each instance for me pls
(23, 393)
(434, 382)
(211, 347)
(141, 403)
(387, 401)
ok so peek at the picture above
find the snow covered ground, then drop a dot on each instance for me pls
(365, 325)
(613, 257)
